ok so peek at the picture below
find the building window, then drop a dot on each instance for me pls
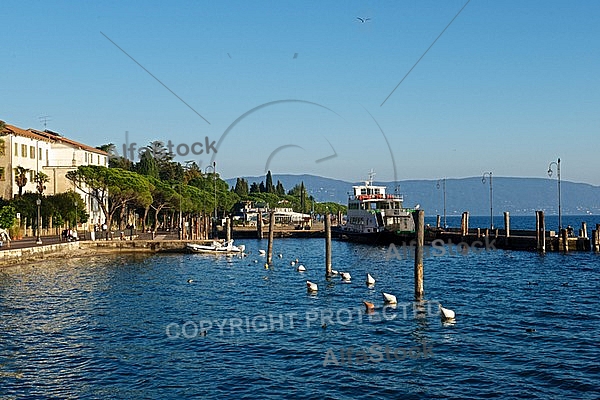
(2, 176)
(16, 150)
(98, 158)
(32, 152)
(40, 155)
(2, 147)
(31, 175)
(47, 159)
(23, 150)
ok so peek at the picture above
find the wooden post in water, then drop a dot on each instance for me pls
(540, 231)
(464, 223)
(271, 233)
(596, 239)
(327, 245)
(339, 215)
(507, 223)
(228, 229)
(565, 239)
(478, 233)
(584, 230)
(259, 223)
(438, 221)
(419, 217)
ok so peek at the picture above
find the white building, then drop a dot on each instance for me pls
(50, 153)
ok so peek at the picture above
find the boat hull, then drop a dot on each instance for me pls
(373, 238)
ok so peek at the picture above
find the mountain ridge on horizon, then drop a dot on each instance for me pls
(518, 195)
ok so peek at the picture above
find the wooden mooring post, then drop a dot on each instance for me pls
(506, 224)
(596, 239)
(540, 231)
(464, 223)
(583, 232)
(438, 221)
(564, 236)
(228, 229)
(327, 245)
(259, 223)
(271, 234)
(419, 217)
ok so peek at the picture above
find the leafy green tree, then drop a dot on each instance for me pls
(164, 196)
(279, 189)
(254, 188)
(147, 165)
(241, 187)
(112, 188)
(8, 215)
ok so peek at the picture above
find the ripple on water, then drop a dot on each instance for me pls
(97, 327)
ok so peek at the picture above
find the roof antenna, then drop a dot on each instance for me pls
(45, 119)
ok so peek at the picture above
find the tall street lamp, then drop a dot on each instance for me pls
(214, 172)
(39, 238)
(557, 164)
(491, 198)
(444, 188)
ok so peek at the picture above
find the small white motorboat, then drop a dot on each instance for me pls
(389, 298)
(370, 279)
(216, 247)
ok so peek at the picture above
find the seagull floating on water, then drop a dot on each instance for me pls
(301, 268)
(346, 276)
(370, 279)
(311, 286)
(262, 252)
(389, 298)
(446, 313)
(368, 305)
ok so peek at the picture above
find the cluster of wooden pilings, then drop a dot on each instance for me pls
(539, 239)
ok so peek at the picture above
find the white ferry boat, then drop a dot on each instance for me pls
(376, 216)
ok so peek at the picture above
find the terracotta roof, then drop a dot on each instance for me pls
(8, 129)
(62, 139)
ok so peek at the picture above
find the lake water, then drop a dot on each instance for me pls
(527, 326)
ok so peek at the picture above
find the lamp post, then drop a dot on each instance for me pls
(39, 217)
(75, 204)
(444, 188)
(180, 214)
(557, 164)
(491, 198)
(214, 172)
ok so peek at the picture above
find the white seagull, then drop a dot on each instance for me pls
(370, 279)
(389, 298)
(446, 313)
(311, 286)
(301, 268)
(346, 276)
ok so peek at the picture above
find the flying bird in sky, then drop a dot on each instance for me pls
(363, 20)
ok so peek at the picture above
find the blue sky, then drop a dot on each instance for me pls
(509, 87)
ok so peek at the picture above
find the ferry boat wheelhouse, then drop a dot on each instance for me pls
(372, 213)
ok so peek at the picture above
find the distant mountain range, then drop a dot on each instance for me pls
(519, 196)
